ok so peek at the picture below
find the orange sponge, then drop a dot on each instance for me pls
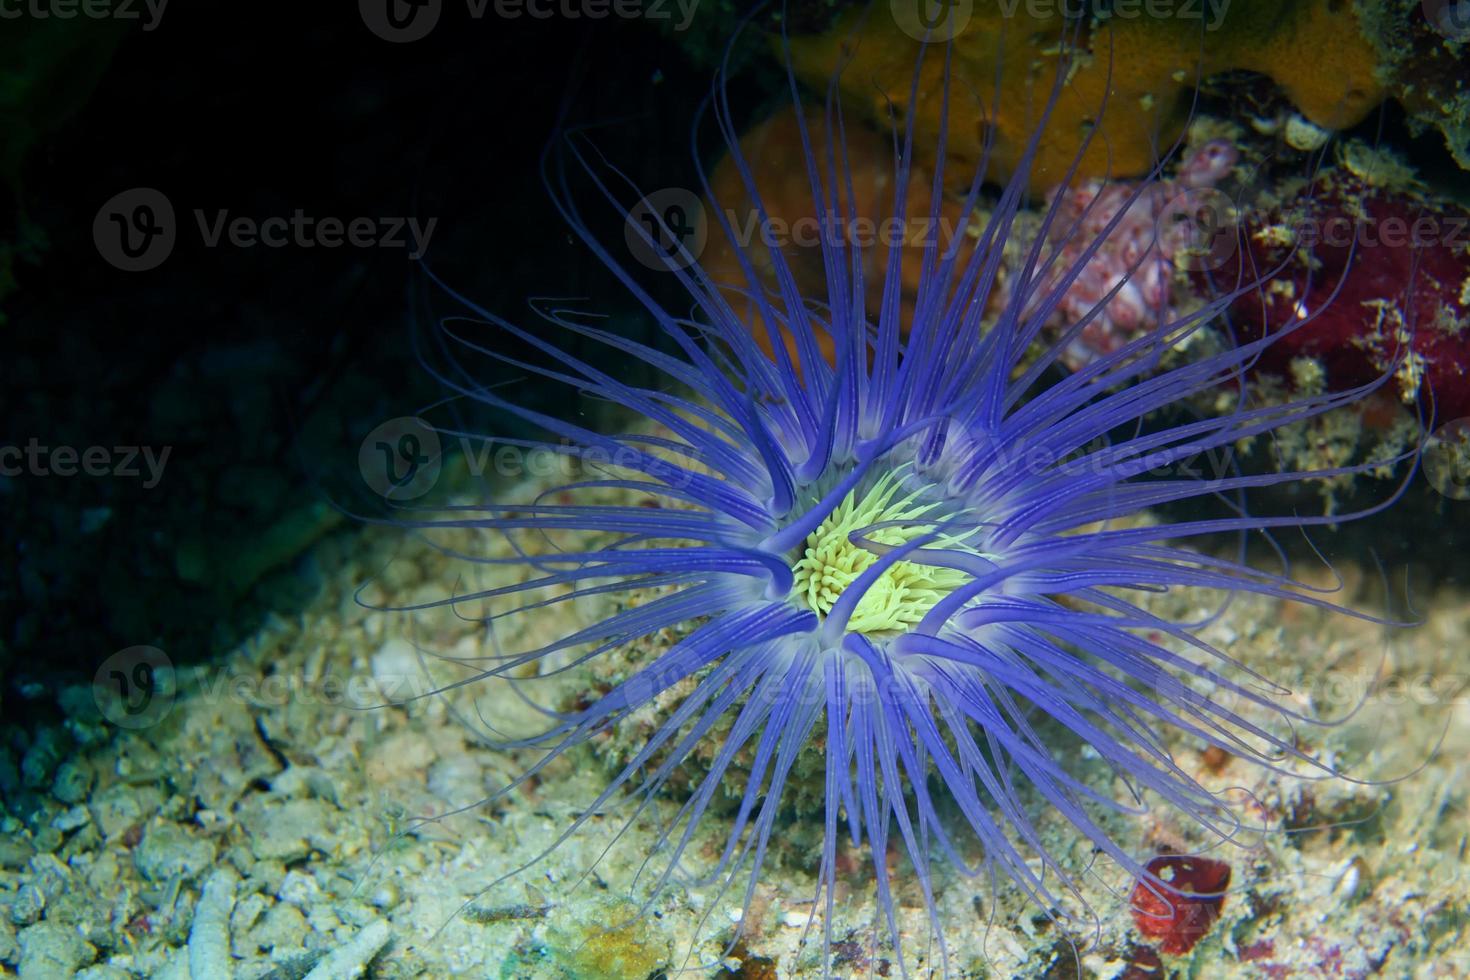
(1132, 81)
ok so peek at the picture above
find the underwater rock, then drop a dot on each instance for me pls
(52, 65)
(289, 831)
(1423, 53)
(209, 933)
(49, 951)
(168, 851)
(233, 565)
(352, 959)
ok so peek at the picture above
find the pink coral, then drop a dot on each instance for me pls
(1143, 233)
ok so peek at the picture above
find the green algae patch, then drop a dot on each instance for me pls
(612, 939)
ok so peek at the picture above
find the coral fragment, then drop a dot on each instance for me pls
(1179, 912)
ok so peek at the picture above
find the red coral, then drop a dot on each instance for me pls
(1179, 911)
(1372, 267)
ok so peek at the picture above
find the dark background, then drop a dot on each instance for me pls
(261, 369)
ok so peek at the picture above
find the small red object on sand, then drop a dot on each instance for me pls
(1178, 912)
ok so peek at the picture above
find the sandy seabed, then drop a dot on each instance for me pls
(266, 822)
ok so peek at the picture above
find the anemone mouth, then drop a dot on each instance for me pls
(870, 520)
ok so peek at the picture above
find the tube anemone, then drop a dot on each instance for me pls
(896, 532)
